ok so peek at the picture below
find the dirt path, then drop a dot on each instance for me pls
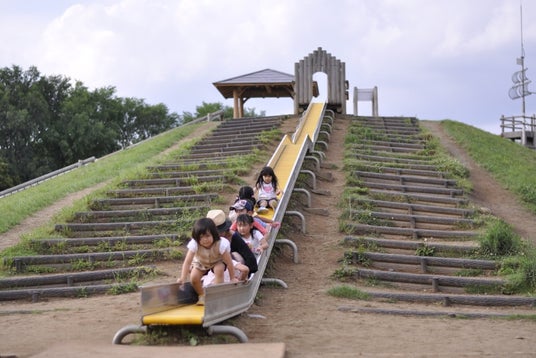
(487, 192)
(43, 217)
(303, 316)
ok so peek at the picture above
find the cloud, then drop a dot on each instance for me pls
(435, 59)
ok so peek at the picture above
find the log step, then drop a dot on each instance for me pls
(408, 232)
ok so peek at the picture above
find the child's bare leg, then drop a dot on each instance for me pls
(195, 279)
(263, 203)
(218, 272)
(273, 204)
(244, 271)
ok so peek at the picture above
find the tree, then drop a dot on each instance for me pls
(141, 121)
(23, 116)
(207, 108)
(46, 123)
(6, 181)
(85, 127)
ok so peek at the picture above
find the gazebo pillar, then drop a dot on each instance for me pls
(237, 105)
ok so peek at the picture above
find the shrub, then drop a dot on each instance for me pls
(499, 239)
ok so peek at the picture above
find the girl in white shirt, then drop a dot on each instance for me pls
(251, 236)
(266, 188)
(207, 251)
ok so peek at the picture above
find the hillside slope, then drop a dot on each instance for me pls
(302, 316)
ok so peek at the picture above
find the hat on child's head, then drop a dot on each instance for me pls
(218, 216)
(242, 204)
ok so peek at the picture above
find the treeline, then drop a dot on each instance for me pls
(49, 122)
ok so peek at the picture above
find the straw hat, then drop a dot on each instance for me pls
(218, 216)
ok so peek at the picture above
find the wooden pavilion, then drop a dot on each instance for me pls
(301, 86)
(260, 84)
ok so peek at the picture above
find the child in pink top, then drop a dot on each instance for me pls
(267, 190)
(245, 207)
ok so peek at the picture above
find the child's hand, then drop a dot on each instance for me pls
(180, 282)
(275, 224)
(234, 280)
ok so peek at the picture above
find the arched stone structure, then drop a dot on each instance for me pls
(320, 61)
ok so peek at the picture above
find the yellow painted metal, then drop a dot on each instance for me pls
(283, 162)
(183, 315)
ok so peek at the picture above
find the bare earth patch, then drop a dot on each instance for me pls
(303, 316)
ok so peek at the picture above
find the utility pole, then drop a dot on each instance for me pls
(521, 82)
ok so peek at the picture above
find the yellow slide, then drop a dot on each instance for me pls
(283, 162)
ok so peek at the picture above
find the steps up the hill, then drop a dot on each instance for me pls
(413, 228)
(144, 220)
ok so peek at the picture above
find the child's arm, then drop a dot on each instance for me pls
(244, 271)
(272, 223)
(263, 243)
(258, 226)
(229, 262)
(186, 267)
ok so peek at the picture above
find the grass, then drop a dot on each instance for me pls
(499, 239)
(511, 164)
(350, 292)
(126, 163)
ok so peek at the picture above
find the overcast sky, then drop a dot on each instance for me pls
(434, 59)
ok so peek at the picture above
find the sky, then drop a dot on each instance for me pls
(433, 59)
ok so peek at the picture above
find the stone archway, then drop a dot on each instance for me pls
(320, 61)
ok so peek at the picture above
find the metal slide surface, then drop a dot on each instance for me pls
(168, 304)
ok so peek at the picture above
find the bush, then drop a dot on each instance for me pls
(499, 239)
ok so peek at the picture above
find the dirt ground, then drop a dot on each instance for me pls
(308, 321)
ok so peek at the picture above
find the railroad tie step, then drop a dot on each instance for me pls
(410, 232)
(434, 281)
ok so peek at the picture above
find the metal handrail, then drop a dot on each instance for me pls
(518, 123)
(45, 177)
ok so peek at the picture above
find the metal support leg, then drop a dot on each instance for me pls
(277, 281)
(312, 174)
(315, 159)
(320, 154)
(292, 246)
(300, 215)
(231, 330)
(306, 192)
(325, 144)
(125, 331)
(328, 126)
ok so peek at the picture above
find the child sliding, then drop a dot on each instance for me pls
(267, 190)
(207, 251)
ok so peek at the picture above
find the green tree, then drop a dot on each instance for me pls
(141, 121)
(23, 116)
(5, 180)
(47, 123)
(85, 126)
(206, 108)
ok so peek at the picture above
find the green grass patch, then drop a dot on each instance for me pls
(499, 239)
(350, 292)
(511, 164)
